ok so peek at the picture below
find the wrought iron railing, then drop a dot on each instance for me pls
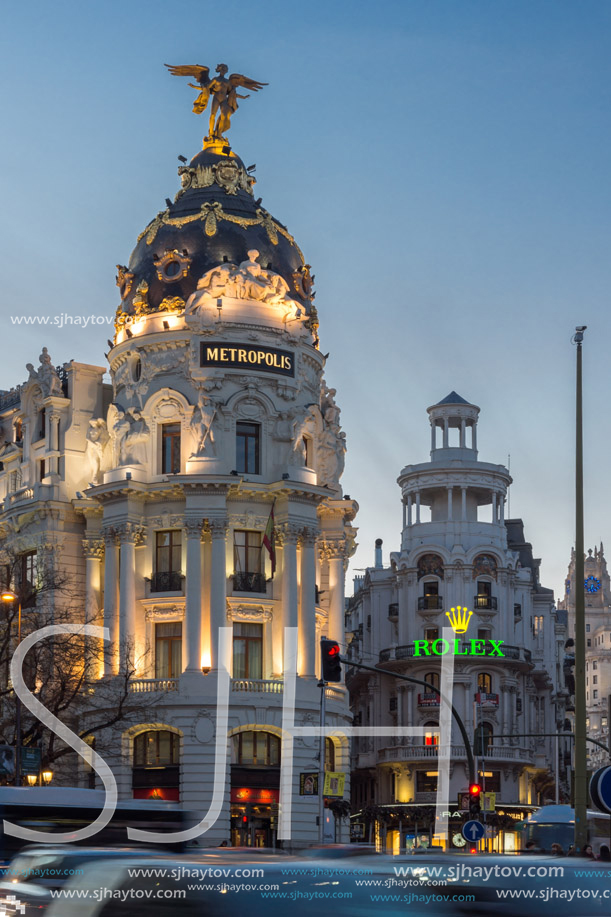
(485, 601)
(166, 582)
(430, 603)
(249, 582)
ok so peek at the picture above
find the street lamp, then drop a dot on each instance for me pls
(9, 598)
(47, 776)
(31, 778)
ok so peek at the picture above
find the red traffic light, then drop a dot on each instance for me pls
(333, 650)
(475, 789)
(330, 658)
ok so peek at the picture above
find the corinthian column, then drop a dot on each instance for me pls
(93, 549)
(111, 604)
(192, 642)
(218, 585)
(306, 657)
(335, 554)
(129, 535)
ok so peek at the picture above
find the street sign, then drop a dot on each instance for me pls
(600, 788)
(463, 802)
(334, 783)
(473, 830)
(30, 761)
(308, 784)
(488, 802)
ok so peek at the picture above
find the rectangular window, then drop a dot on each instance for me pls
(594, 695)
(247, 447)
(594, 665)
(431, 633)
(168, 553)
(248, 575)
(594, 679)
(426, 781)
(28, 578)
(41, 469)
(170, 448)
(587, 628)
(168, 650)
(247, 650)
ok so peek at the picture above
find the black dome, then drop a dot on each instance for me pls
(214, 219)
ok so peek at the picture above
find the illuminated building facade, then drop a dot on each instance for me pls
(457, 552)
(199, 489)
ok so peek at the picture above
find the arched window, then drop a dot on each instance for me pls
(432, 678)
(329, 754)
(483, 738)
(157, 748)
(256, 749)
(431, 736)
(484, 683)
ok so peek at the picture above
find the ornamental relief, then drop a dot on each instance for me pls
(255, 613)
(159, 613)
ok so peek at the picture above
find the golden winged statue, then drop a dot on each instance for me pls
(223, 90)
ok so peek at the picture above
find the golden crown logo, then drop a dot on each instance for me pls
(459, 619)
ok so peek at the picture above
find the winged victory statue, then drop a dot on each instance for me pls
(221, 91)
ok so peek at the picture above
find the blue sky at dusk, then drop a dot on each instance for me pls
(443, 165)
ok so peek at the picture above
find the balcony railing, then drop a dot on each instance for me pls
(166, 582)
(426, 752)
(257, 685)
(430, 603)
(485, 601)
(150, 685)
(249, 582)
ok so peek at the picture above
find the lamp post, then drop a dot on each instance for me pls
(9, 598)
(580, 759)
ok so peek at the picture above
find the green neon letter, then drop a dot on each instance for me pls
(425, 646)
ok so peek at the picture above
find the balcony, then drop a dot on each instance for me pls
(249, 582)
(430, 603)
(166, 582)
(152, 685)
(257, 685)
(485, 602)
(493, 753)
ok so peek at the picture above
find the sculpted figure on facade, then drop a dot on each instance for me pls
(304, 428)
(45, 376)
(332, 442)
(97, 438)
(248, 280)
(134, 450)
(202, 427)
(118, 426)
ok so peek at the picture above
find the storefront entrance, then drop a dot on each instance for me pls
(252, 825)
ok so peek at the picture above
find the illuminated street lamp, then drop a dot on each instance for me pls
(9, 598)
(47, 776)
(32, 778)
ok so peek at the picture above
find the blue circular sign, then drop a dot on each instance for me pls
(473, 830)
(600, 788)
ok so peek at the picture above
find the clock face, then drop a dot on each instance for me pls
(591, 584)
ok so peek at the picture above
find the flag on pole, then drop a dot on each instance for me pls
(269, 539)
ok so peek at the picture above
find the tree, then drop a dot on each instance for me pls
(62, 671)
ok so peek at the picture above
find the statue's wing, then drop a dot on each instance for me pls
(237, 79)
(201, 74)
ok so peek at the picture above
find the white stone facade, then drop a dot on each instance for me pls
(155, 492)
(457, 549)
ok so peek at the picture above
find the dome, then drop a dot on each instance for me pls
(214, 219)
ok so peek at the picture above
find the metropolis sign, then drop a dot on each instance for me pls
(247, 356)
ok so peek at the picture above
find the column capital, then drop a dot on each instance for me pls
(308, 536)
(218, 528)
(193, 528)
(93, 547)
(110, 537)
(288, 533)
(130, 533)
(333, 550)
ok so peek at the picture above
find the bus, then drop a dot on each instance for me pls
(556, 825)
(62, 809)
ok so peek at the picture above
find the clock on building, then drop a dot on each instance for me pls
(591, 584)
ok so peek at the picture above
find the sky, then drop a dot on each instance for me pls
(443, 165)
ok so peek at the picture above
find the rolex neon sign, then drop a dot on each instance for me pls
(459, 619)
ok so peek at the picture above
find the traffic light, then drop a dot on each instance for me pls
(475, 800)
(331, 665)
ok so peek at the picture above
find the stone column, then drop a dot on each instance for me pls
(474, 435)
(463, 493)
(53, 442)
(336, 553)
(129, 535)
(404, 508)
(111, 603)
(192, 638)
(306, 657)
(463, 434)
(417, 506)
(409, 509)
(432, 436)
(289, 536)
(502, 509)
(218, 586)
(93, 549)
(449, 504)
(494, 514)
(445, 433)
